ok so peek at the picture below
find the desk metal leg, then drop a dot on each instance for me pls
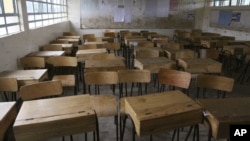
(195, 134)
(133, 128)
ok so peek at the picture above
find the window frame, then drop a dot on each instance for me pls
(5, 15)
(53, 16)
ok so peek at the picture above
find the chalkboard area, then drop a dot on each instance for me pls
(131, 14)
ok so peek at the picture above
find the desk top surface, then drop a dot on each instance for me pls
(35, 74)
(199, 61)
(104, 63)
(46, 53)
(160, 104)
(65, 45)
(149, 110)
(45, 110)
(91, 43)
(154, 61)
(73, 36)
(7, 116)
(5, 108)
(91, 51)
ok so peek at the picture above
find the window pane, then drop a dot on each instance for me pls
(225, 3)
(13, 29)
(233, 2)
(46, 22)
(32, 25)
(38, 24)
(12, 19)
(45, 16)
(36, 7)
(8, 6)
(38, 17)
(1, 11)
(245, 2)
(31, 17)
(45, 8)
(3, 31)
(2, 22)
(29, 7)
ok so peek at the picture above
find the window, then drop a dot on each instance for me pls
(46, 12)
(9, 17)
(217, 3)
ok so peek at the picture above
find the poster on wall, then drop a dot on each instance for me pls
(173, 5)
(225, 18)
(236, 16)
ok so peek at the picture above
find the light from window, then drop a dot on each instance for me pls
(9, 19)
(46, 12)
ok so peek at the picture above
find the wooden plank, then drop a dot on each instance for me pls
(154, 64)
(162, 111)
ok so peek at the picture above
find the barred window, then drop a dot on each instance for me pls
(46, 12)
(9, 17)
(217, 3)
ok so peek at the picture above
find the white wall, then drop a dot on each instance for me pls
(18, 45)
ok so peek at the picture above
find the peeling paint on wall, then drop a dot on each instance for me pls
(101, 15)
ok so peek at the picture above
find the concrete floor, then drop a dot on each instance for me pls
(107, 126)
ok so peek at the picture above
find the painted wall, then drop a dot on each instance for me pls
(18, 45)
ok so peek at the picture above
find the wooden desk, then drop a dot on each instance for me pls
(200, 65)
(220, 113)
(154, 64)
(26, 76)
(8, 114)
(158, 112)
(237, 49)
(83, 55)
(98, 44)
(104, 65)
(148, 48)
(209, 43)
(46, 53)
(70, 40)
(46, 118)
(87, 52)
(134, 41)
(180, 53)
(72, 37)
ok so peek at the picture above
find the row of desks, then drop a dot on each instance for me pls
(152, 113)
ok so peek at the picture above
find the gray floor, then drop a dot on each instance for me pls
(107, 126)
